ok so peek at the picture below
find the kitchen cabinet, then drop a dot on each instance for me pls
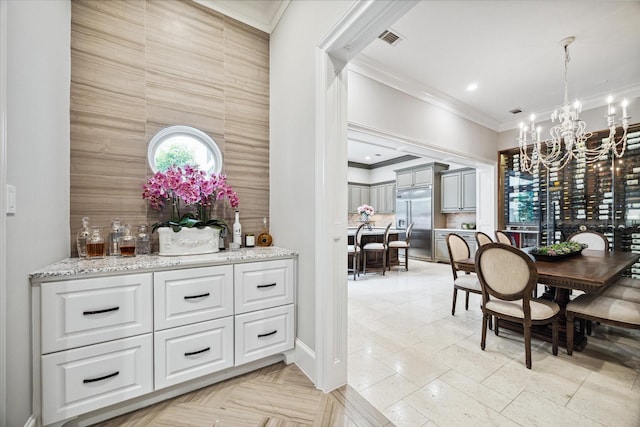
(100, 341)
(419, 176)
(383, 197)
(458, 191)
(358, 196)
(441, 253)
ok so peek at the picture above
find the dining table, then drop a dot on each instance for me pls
(590, 271)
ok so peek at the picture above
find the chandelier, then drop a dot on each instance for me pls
(568, 138)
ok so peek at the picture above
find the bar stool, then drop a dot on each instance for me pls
(355, 250)
(402, 244)
(377, 247)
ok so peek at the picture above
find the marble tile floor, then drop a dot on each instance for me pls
(421, 366)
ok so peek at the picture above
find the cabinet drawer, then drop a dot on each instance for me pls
(191, 351)
(81, 380)
(89, 311)
(263, 333)
(260, 285)
(194, 295)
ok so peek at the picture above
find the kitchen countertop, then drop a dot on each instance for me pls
(373, 232)
(143, 263)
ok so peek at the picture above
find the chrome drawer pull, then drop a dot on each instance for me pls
(191, 353)
(267, 286)
(267, 334)
(106, 310)
(93, 380)
(197, 296)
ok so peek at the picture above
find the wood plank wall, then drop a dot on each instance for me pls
(138, 66)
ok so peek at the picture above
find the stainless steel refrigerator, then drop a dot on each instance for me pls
(414, 205)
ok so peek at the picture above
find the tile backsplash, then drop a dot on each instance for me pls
(455, 220)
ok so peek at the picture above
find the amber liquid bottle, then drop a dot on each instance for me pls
(264, 238)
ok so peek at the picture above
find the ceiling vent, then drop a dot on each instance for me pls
(390, 37)
(515, 111)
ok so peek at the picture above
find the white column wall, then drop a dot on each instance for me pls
(293, 156)
(38, 79)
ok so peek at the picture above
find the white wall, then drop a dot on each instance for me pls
(292, 154)
(38, 79)
(379, 107)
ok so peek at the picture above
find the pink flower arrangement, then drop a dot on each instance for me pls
(366, 209)
(192, 188)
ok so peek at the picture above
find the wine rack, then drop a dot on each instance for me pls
(603, 196)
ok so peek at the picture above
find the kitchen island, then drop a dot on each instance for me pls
(376, 235)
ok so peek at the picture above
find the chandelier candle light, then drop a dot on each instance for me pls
(569, 138)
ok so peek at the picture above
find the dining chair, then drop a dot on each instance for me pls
(354, 251)
(483, 238)
(507, 276)
(459, 249)
(503, 237)
(377, 247)
(596, 241)
(402, 244)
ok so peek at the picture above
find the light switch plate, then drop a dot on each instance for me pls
(11, 199)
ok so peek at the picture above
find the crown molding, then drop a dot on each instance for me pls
(261, 15)
(367, 67)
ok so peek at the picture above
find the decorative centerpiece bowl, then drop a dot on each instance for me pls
(558, 251)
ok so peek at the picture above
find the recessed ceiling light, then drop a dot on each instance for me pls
(367, 158)
(472, 87)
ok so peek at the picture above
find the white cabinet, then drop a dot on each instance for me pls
(191, 351)
(88, 311)
(264, 322)
(458, 191)
(105, 340)
(193, 295)
(262, 333)
(80, 380)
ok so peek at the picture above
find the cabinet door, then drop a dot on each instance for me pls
(354, 199)
(404, 179)
(450, 192)
(364, 196)
(468, 193)
(441, 251)
(389, 197)
(374, 200)
(423, 177)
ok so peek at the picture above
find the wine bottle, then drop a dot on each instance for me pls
(264, 238)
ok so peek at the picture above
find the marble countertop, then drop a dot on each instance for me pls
(142, 263)
(455, 230)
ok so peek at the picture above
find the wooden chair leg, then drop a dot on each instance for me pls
(354, 263)
(406, 259)
(364, 263)
(496, 326)
(589, 325)
(453, 306)
(527, 345)
(554, 337)
(466, 301)
(570, 327)
(384, 262)
(483, 340)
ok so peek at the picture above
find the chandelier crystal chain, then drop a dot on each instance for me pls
(569, 138)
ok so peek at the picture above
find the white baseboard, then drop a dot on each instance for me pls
(31, 422)
(306, 360)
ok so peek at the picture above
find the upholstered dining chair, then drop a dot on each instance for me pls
(377, 247)
(459, 249)
(354, 251)
(503, 237)
(483, 238)
(507, 276)
(402, 244)
(596, 241)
